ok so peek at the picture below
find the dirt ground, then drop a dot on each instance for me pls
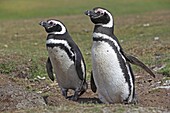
(149, 92)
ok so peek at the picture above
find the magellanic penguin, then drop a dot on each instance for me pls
(112, 75)
(65, 59)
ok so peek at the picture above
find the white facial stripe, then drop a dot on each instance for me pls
(110, 24)
(63, 29)
(100, 10)
(55, 41)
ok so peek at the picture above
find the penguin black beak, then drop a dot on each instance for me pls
(92, 14)
(89, 13)
(44, 24)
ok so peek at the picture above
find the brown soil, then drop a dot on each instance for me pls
(13, 96)
(146, 94)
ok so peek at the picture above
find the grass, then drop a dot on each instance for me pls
(21, 9)
(91, 108)
(22, 46)
(85, 108)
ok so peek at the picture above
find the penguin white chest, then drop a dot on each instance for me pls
(64, 68)
(60, 57)
(108, 75)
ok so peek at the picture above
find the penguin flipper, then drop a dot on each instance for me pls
(78, 65)
(49, 69)
(137, 62)
(92, 83)
(134, 60)
(81, 72)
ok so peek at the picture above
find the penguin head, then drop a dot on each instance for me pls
(100, 16)
(53, 26)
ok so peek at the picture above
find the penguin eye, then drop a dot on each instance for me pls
(51, 23)
(100, 12)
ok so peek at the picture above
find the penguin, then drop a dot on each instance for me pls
(112, 76)
(65, 59)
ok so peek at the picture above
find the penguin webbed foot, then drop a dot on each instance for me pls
(83, 89)
(73, 98)
(134, 101)
(64, 92)
(78, 92)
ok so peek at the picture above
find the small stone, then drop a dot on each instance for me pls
(121, 41)
(35, 44)
(39, 92)
(162, 87)
(156, 38)
(6, 46)
(157, 68)
(41, 78)
(146, 25)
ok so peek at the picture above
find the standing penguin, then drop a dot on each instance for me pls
(112, 75)
(65, 59)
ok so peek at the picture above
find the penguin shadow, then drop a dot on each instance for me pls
(93, 100)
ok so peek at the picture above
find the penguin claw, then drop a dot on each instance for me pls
(84, 88)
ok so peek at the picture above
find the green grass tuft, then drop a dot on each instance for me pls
(22, 9)
(7, 67)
